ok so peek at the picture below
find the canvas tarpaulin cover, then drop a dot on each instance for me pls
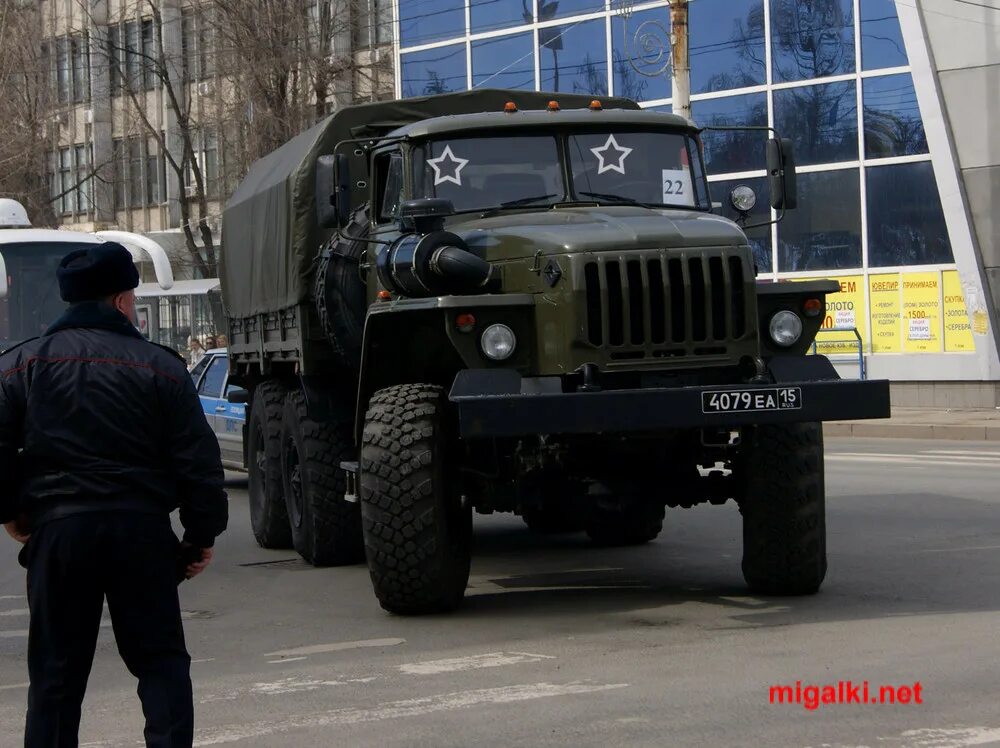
(270, 238)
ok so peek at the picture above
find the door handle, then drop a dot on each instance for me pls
(220, 409)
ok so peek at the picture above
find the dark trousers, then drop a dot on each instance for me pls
(74, 563)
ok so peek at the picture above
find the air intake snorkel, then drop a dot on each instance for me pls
(430, 261)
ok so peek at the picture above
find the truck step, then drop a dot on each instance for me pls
(350, 469)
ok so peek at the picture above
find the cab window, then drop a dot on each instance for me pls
(389, 176)
(215, 378)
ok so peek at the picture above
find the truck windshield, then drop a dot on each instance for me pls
(648, 168)
(481, 173)
(32, 302)
(655, 168)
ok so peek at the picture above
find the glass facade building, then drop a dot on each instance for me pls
(832, 75)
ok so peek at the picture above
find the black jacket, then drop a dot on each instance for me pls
(93, 417)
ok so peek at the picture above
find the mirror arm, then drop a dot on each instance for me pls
(135, 242)
(773, 222)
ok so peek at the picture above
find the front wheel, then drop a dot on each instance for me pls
(417, 531)
(784, 510)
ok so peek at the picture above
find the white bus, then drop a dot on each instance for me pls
(29, 291)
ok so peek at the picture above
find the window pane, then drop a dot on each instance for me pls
(892, 118)
(118, 155)
(726, 44)
(115, 56)
(148, 55)
(733, 151)
(434, 71)
(487, 15)
(824, 233)
(132, 59)
(905, 221)
(211, 384)
(640, 56)
(549, 9)
(811, 38)
(63, 70)
(821, 120)
(504, 62)
(881, 38)
(574, 58)
(135, 173)
(430, 21)
(760, 238)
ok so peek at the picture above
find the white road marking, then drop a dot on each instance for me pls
(336, 647)
(960, 452)
(400, 709)
(16, 633)
(12, 597)
(475, 662)
(206, 659)
(286, 659)
(959, 550)
(292, 685)
(959, 737)
(14, 686)
(15, 612)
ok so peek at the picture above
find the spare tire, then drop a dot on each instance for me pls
(340, 291)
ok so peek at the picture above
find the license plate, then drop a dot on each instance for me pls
(747, 401)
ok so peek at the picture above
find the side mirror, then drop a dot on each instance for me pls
(238, 396)
(781, 174)
(333, 202)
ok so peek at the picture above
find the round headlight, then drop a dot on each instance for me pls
(498, 342)
(743, 198)
(785, 328)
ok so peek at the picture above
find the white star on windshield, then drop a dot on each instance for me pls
(602, 154)
(447, 167)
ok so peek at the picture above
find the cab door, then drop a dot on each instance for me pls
(229, 426)
(211, 388)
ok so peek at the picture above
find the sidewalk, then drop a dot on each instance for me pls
(925, 423)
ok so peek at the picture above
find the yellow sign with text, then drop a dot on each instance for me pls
(844, 310)
(922, 312)
(957, 329)
(886, 300)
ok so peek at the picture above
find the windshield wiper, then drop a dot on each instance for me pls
(516, 203)
(615, 199)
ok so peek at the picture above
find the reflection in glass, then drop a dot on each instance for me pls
(821, 120)
(892, 117)
(811, 38)
(881, 38)
(504, 62)
(727, 152)
(573, 58)
(487, 15)
(905, 221)
(549, 9)
(760, 238)
(824, 233)
(433, 71)
(640, 48)
(726, 44)
(430, 21)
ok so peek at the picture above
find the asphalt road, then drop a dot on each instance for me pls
(563, 644)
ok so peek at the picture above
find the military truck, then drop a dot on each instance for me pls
(501, 301)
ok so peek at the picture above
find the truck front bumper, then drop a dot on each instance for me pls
(497, 403)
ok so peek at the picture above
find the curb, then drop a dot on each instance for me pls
(889, 430)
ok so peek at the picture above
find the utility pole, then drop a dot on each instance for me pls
(680, 59)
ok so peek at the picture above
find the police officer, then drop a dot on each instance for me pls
(101, 436)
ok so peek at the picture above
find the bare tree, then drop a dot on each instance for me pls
(25, 110)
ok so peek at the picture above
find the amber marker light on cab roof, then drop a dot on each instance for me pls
(510, 107)
(595, 106)
(553, 106)
(812, 307)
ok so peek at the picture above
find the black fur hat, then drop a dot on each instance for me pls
(98, 271)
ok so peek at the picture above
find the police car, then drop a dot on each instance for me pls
(211, 379)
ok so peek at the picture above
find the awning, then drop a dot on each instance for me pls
(198, 287)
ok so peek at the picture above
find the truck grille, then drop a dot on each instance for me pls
(664, 304)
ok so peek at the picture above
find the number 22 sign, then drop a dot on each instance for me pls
(677, 188)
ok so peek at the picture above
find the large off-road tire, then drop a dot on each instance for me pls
(326, 529)
(418, 534)
(784, 510)
(632, 523)
(268, 515)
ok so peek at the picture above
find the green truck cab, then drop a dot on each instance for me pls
(519, 302)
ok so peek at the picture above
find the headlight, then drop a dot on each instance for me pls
(785, 328)
(743, 198)
(498, 342)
